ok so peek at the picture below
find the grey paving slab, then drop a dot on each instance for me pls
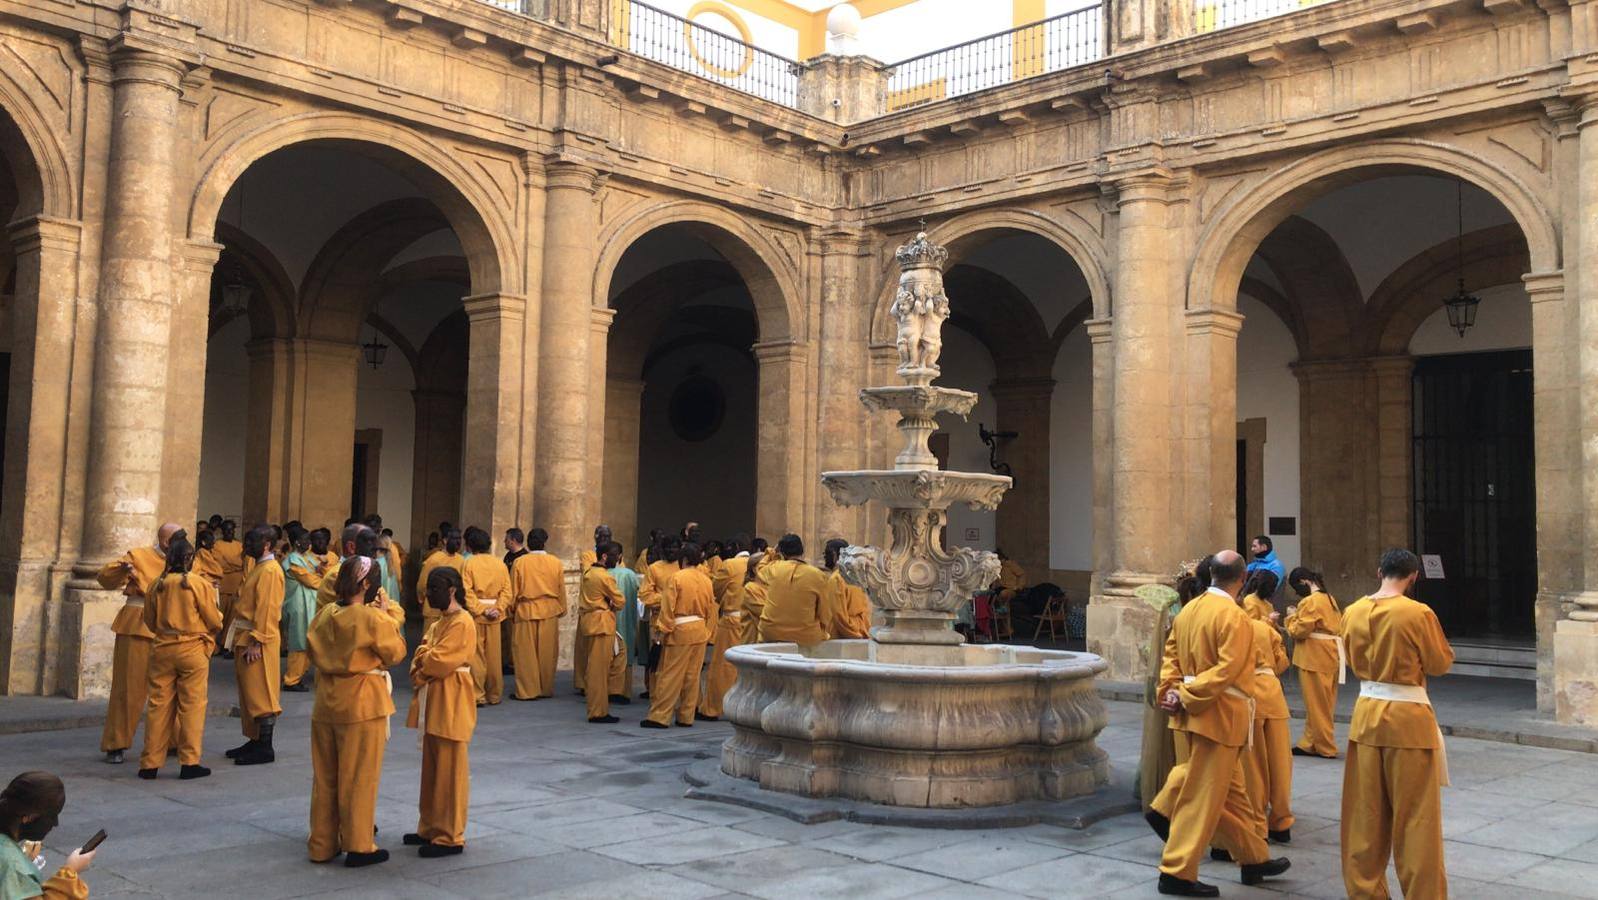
(1080, 874)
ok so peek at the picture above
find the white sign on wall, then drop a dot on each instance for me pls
(1433, 565)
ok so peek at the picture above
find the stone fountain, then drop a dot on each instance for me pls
(913, 716)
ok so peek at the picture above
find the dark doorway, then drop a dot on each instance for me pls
(1475, 497)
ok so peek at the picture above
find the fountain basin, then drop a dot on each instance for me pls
(916, 488)
(916, 725)
(918, 400)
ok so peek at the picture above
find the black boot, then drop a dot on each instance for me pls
(620, 700)
(241, 749)
(413, 840)
(1285, 836)
(149, 774)
(357, 860)
(114, 757)
(1176, 887)
(1219, 855)
(1258, 872)
(1160, 824)
(262, 754)
(189, 773)
(434, 851)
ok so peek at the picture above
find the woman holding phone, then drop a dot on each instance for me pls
(30, 807)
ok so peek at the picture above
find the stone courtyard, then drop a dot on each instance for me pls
(564, 809)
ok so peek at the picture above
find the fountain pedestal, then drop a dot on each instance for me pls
(915, 717)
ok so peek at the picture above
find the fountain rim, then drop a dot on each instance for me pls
(1071, 666)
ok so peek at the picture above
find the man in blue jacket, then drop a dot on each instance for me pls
(1265, 558)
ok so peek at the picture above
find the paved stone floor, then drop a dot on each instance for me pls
(561, 808)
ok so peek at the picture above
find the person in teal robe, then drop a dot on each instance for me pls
(627, 619)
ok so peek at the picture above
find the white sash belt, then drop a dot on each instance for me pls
(388, 684)
(1342, 655)
(734, 616)
(132, 601)
(1239, 693)
(1265, 670)
(239, 624)
(684, 620)
(1409, 693)
(421, 715)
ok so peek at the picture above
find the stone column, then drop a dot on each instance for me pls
(623, 417)
(436, 467)
(571, 221)
(781, 449)
(1576, 638)
(1393, 400)
(319, 457)
(128, 405)
(1337, 471)
(1210, 449)
(44, 307)
(1145, 484)
(600, 319)
(1023, 521)
(1555, 410)
(267, 435)
(845, 363)
(492, 439)
(191, 317)
(1102, 341)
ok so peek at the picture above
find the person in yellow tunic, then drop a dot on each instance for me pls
(656, 577)
(352, 643)
(1260, 587)
(206, 563)
(1397, 765)
(538, 587)
(600, 601)
(1268, 764)
(686, 606)
(182, 612)
(30, 808)
(132, 573)
(1206, 686)
(443, 707)
(488, 595)
(585, 559)
(851, 610)
(355, 541)
(755, 593)
(322, 551)
(1315, 625)
(730, 628)
(256, 640)
(797, 607)
(448, 556)
(231, 554)
(1012, 578)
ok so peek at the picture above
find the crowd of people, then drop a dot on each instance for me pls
(1217, 759)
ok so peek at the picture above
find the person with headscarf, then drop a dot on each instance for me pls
(183, 614)
(304, 577)
(132, 573)
(30, 808)
(444, 707)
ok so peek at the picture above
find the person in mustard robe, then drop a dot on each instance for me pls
(755, 593)
(730, 626)
(851, 609)
(182, 612)
(303, 577)
(231, 554)
(30, 808)
(1258, 590)
(132, 573)
(686, 607)
(797, 606)
(1268, 765)
(256, 640)
(444, 707)
(352, 643)
(488, 595)
(322, 552)
(538, 586)
(1397, 765)
(585, 559)
(1205, 686)
(207, 564)
(656, 577)
(449, 556)
(1315, 625)
(599, 602)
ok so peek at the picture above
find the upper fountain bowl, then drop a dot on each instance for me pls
(917, 488)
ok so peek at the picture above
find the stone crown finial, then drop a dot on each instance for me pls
(921, 253)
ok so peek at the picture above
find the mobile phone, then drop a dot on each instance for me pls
(91, 843)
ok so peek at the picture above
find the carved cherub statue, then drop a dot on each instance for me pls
(920, 305)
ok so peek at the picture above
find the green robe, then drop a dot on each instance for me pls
(627, 619)
(19, 877)
(299, 603)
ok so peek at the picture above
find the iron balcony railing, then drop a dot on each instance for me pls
(1061, 42)
(1216, 15)
(538, 9)
(670, 39)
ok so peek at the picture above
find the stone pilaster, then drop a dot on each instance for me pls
(599, 322)
(624, 399)
(843, 367)
(436, 469)
(782, 476)
(1393, 402)
(1023, 518)
(1144, 477)
(1337, 459)
(191, 315)
(492, 439)
(1209, 448)
(1555, 445)
(1102, 343)
(267, 435)
(561, 476)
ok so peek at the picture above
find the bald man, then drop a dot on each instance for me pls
(132, 573)
(1206, 684)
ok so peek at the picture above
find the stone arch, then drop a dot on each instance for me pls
(1238, 229)
(643, 308)
(480, 219)
(962, 232)
(28, 142)
(1411, 293)
(346, 277)
(274, 315)
(1006, 323)
(1322, 301)
(769, 271)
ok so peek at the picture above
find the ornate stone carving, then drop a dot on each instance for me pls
(921, 306)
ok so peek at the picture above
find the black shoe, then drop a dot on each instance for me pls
(259, 756)
(1258, 872)
(357, 860)
(525, 699)
(1160, 824)
(685, 724)
(651, 723)
(644, 696)
(1300, 751)
(1173, 886)
(1285, 836)
(701, 717)
(603, 720)
(434, 851)
(171, 752)
(241, 749)
(621, 699)
(189, 773)
(1219, 855)
(148, 774)
(226, 654)
(114, 757)
(413, 840)
(296, 688)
